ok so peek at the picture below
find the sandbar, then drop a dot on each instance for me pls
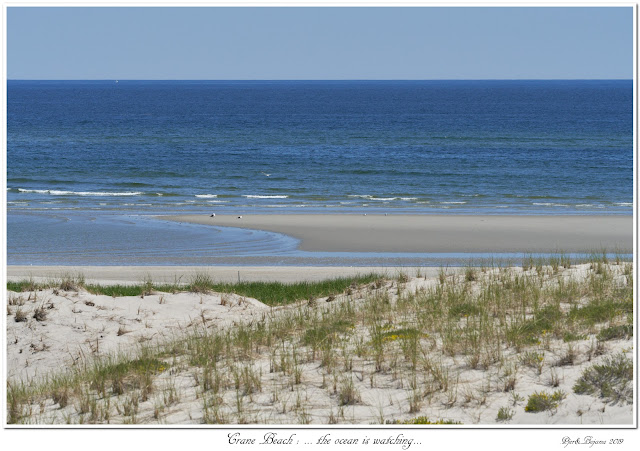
(438, 233)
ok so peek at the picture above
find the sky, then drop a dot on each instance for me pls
(269, 43)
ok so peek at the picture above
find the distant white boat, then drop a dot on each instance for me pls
(116, 81)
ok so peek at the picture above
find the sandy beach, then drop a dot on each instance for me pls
(439, 233)
(128, 275)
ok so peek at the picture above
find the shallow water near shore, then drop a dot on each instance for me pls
(119, 240)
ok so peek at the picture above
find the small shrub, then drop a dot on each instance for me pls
(505, 414)
(611, 380)
(539, 402)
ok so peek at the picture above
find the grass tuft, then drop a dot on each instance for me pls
(505, 414)
(621, 332)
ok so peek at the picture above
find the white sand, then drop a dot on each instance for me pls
(79, 325)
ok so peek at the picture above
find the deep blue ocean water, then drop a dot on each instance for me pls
(106, 152)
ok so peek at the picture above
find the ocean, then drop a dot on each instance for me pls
(90, 162)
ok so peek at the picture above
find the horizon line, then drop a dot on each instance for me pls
(319, 79)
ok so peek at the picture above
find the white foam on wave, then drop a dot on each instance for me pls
(549, 204)
(256, 196)
(77, 193)
(370, 197)
(218, 201)
(623, 204)
(453, 202)
(206, 196)
(38, 191)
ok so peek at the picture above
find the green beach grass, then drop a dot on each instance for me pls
(269, 293)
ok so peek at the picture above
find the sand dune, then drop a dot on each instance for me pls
(293, 378)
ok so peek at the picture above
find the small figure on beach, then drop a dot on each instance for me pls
(213, 215)
(239, 217)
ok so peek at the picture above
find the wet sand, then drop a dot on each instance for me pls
(439, 233)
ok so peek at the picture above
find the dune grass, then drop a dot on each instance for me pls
(378, 336)
(269, 293)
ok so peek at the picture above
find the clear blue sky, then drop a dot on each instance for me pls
(319, 43)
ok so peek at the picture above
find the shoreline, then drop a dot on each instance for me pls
(437, 233)
(131, 275)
